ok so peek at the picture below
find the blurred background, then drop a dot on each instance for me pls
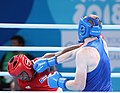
(60, 12)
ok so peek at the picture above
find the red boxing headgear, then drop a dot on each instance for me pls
(19, 63)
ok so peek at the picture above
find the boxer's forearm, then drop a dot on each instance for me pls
(68, 56)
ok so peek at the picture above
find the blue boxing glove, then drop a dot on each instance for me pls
(56, 80)
(42, 64)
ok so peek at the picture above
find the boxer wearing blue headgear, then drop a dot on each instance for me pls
(91, 59)
(89, 27)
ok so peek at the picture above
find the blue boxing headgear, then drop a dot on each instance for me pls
(86, 29)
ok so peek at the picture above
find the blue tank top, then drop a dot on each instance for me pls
(100, 78)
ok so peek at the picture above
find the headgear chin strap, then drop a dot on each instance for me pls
(86, 29)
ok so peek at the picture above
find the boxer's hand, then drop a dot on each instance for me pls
(56, 80)
(42, 64)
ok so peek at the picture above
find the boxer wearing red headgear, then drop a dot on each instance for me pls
(21, 67)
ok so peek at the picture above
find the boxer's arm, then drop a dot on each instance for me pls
(79, 81)
(44, 63)
(68, 56)
(67, 49)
